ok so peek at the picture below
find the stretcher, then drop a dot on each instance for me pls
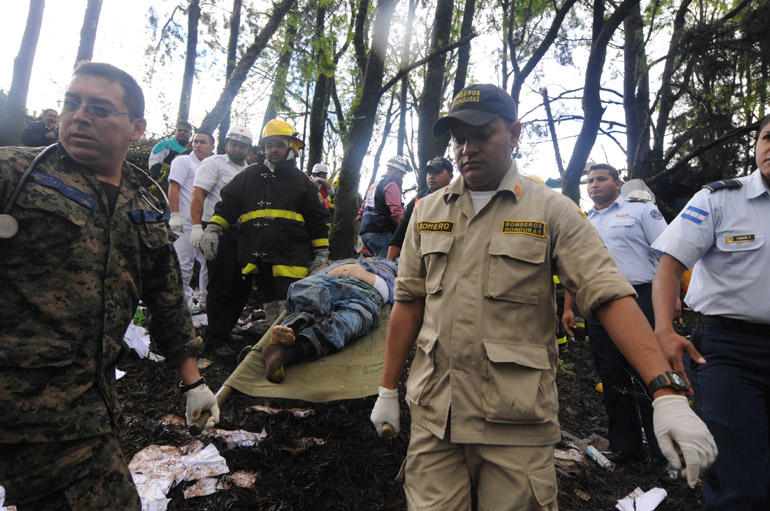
(351, 373)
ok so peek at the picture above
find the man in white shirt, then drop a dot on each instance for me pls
(180, 190)
(227, 292)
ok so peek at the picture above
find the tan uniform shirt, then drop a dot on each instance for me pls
(486, 352)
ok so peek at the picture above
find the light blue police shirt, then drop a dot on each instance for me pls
(725, 232)
(628, 228)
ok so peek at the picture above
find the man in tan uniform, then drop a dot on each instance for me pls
(475, 292)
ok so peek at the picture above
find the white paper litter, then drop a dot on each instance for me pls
(300, 413)
(206, 486)
(238, 438)
(137, 339)
(157, 468)
(639, 500)
(200, 320)
(13, 508)
(119, 374)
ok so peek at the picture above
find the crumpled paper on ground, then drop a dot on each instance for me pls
(300, 413)
(238, 438)
(639, 500)
(157, 468)
(209, 485)
(137, 339)
(13, 508)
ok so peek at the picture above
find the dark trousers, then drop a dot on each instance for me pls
(270, 287)
(228, 289)
(733, 397)
(626, 398)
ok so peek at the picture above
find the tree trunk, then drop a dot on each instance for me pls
(193, 15)
(592, 103)
(433, 91)
(88, 31)
(363, 115)
(464, 53)
(552, 130)
(636, 90)
(16, 104)
(232, 48)
(319, 105)
(274, 104)
(406, 51)
(383, 141)
(241, 70)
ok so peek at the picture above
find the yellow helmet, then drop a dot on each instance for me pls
(277, 128)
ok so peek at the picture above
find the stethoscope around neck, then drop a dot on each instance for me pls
(8, 224)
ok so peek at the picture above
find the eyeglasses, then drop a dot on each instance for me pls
(70, 106)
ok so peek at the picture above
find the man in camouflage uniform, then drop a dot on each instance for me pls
(91, 242)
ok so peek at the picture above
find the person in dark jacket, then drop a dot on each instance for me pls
(382, 210)
(283, 233)
(42, 132)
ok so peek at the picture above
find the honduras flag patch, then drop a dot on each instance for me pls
(694, 214)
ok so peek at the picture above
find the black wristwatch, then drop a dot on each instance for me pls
(671, 379)
(184, 388)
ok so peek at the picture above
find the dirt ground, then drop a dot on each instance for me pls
(352, 468)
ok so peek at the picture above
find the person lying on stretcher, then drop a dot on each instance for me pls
(329, 310)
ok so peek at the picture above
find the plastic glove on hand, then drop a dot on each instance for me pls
(320, 259)
(386, 414)
(196, 235)
(210, 241)
(199, 399)
(176, 222)
(674, 421)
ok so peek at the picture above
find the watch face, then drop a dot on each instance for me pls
(676, 379)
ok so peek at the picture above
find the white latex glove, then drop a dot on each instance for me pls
(386, 412)
(320, 259)
(196, 234)
(674, 421)
(210, 241)
(176, 222)
(199, 399)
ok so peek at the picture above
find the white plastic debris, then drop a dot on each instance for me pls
(157, 468)
(137, 339)
(300, 413)
(119, 374)
(639, 500)
(239, 437)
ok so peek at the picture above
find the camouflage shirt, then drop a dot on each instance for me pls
(70, 281)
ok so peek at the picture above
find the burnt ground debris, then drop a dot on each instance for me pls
(354, 469)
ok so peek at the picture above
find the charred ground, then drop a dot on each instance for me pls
(354, 469)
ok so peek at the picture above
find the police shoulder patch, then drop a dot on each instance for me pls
(723, 184)
(445, 227)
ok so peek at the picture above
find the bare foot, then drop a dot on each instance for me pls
(281, 335)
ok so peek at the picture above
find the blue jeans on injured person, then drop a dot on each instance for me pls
(377, 242)
(331, 311)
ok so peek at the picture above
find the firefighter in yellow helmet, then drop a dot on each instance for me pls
(283, 234)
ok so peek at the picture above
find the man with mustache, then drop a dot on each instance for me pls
(475, 294)
(91, 242)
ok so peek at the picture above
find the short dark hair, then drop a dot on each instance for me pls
(764, 123)
(609, 168)
(186, 125)
(46, 110)
(211, 137)
(133, 95)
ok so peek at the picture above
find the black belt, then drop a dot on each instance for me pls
(642, 287)
(737, 325)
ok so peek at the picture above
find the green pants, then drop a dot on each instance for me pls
(87, 474)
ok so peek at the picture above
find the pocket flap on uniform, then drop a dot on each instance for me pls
(433, 243)
(519, 246)
(533, 356)
(154, 236)
(739, 241)
(543, 484)
(622, 222)
(32, 353)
